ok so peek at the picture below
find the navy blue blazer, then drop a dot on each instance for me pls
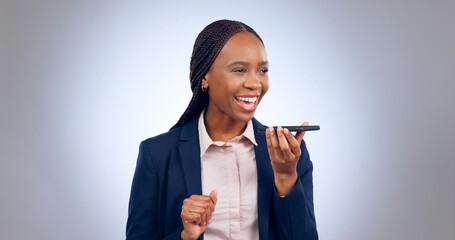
(168, 170)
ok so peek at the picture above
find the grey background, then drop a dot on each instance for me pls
(83, 82)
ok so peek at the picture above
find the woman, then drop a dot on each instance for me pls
(213, 175)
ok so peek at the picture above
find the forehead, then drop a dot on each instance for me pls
(243, 46)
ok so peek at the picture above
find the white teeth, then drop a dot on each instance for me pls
(247, 99)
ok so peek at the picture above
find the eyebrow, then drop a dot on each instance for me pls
(246, 63)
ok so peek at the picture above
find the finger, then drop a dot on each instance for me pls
(208, 211)
(193, 209)
(199, 203)
(214, 197)
(209, 219)
(191, 217)
(200, 197)
(208, 216)
(269, 141)
(295, 146)
(299, 135)
(274, 140)
(211, 207)
(284, 146)
(204, 218)
(197, 210)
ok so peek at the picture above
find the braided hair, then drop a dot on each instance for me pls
(208, 45)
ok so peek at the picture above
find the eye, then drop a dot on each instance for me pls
(264, 70)
(239, 70)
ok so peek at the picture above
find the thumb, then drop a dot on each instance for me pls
(214, 196)
(299, 135)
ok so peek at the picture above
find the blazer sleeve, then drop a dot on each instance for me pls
(294, 213)
(143, 221)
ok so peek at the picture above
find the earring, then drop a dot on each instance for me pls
(203, 89)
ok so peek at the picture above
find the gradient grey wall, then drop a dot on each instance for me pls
(83, 82)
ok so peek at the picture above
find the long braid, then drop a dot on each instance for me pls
(208, 45)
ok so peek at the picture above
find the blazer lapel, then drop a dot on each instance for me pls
(190, 155)
(265, 181)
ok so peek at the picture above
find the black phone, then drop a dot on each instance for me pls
(294, 128)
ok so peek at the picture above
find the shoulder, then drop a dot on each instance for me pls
(165, 139)
(169, 141)
(153, 151)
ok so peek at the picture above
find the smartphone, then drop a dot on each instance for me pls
(294, 128)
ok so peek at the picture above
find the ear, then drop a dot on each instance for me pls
(205, 81)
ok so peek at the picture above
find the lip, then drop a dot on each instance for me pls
(249, 96)
(248, 108)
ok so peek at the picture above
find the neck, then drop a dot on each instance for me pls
(222, 128)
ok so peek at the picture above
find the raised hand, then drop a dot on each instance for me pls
(197, 212)
(284, 151)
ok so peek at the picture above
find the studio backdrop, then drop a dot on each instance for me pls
(82, 83)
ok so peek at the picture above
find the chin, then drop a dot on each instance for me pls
(245, 117)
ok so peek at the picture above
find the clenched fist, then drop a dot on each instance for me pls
(197, 212)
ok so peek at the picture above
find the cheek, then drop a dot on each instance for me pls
(265, 86)
(229, 84)
(221, 89)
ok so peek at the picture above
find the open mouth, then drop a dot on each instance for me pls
(247, 103)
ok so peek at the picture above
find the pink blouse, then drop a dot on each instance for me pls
(230, 169)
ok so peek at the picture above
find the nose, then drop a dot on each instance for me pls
(253, 82)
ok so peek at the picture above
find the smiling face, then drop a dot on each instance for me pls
(237, 79)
